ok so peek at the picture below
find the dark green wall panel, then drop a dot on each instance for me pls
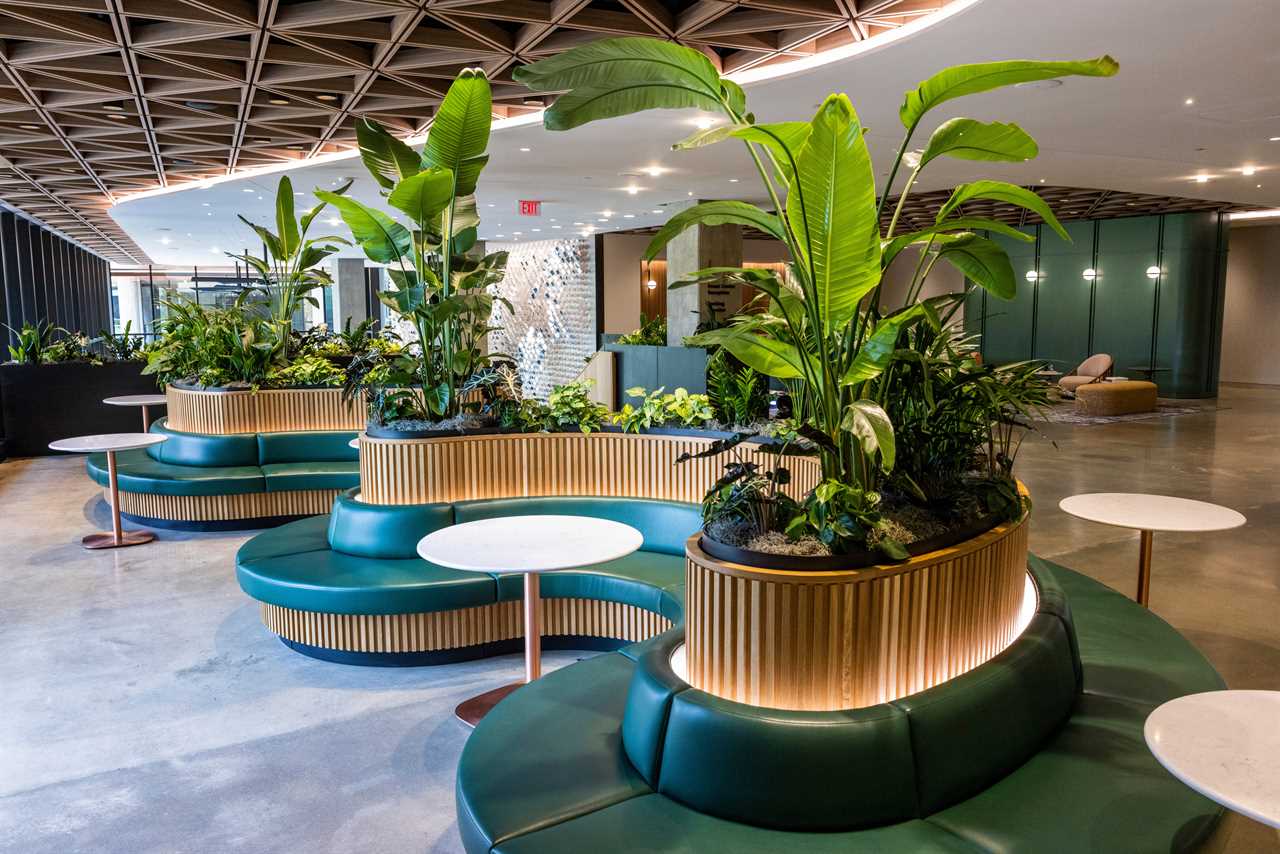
(1063, 296)
(1125, 310)
(1007, 327)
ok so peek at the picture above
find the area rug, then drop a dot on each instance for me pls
(1065, 413)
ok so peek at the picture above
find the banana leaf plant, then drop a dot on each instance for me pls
(290, 264)
(438, 288)
(824, 332)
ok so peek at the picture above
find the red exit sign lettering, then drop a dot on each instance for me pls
(530, 207)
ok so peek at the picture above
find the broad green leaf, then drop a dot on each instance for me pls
(982, 261)
(459, 133)
(871, 425)
(1002, 191)
(388, 159)
(892, 248)
(267, 237)
(766, 355)
(832, 210)
(968, 139)
(961, 80)
(783, 139)
(383, 240)
(715, 213)
(710, 136)
(286, 222)
(878, 350)
(423, 196)
(617, 77)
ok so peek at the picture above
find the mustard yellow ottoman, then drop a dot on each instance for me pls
(1119, 398)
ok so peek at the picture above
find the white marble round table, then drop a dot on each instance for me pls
(1225, 745)
(110, 443)
(528, 545)
(146, 401)
(1148, 513)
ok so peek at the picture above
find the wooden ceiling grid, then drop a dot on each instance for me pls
(103, 98)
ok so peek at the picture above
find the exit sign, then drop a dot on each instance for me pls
(530, 207)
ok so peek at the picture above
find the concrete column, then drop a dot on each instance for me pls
(349, 292)
(698, 247)
(129, 296)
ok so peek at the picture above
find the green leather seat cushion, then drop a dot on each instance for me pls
(305, 447)
(331, 474)
(138, 472)
(1144, 660)
(198, 449)
(1093, 787)
(636, 579)
(336, 583)
(383, 530)
(553, 754)
(653, 823)
(294, 538)
(665, 525)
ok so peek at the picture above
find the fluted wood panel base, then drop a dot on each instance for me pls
(461, 468)
(220, 508)
(822, 641)
(265, 411)
(444, 630)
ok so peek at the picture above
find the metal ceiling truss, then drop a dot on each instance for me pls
(102, 98)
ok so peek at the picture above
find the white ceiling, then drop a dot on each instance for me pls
(1132, 132)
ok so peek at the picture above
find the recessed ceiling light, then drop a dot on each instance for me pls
(632, 189)
(690, 193)
(704, 124)
(1041, 180)
(606, 213)
(628, 216)
(555, 226)
(112, 108)
(278, 100)
(1189, 101)
(29, 127)
(733, 180)
(603, 219)
(1202, 179)
(204, 204)
(297, 147)
(657, 210)
(117, 116)
(299, 194)
(488, 205)
(1248, 170)
(533, 102)
(248, 190)
(1259, 186)
(326, 96)
(1274, 139)
(653, 171)
(535, 229)
(579, 223)
(524, 148)
(517, 233)
(165, 241)
(499, 235)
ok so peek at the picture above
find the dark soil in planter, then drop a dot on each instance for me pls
(461, 425)
(191, 386)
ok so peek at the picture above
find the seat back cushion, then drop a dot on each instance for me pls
(970, 731)
(204, 451)
(665, 525)
(789, 770)
(383, 530)
(1097, 365)
(644, 721)
(306, 447)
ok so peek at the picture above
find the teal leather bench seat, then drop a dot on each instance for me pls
(203, 467)
(1040, 750)
(361, 562)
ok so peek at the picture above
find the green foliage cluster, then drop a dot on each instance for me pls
(739, 394)
(309, 370)
(42, 343)
(652, 333)
(657, 409)
(824, 331)
(568, 407)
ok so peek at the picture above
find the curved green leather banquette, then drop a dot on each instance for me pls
(1038, 750)
(234, 464)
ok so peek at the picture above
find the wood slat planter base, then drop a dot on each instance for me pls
(445, 630)
(264, 411)
(222, 508)
(823, 641)
(464, 468)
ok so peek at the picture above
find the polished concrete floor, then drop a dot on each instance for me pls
(143, 708)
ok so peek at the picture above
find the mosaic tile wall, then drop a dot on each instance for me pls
(552, 286)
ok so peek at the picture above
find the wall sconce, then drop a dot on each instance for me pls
(651, 285)
(1153, 272)
(1090, 274)
(1033, 276)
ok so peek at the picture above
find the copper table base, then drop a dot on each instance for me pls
(471, 711)
(111, 541)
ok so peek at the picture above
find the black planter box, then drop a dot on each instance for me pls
(43, 403)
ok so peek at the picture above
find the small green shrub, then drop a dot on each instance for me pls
(310, 371)
(124, 347)
(657, 409)
(568, 407)
(652, 333)
(33, 340)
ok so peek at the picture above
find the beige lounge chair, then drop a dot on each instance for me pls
(1091, 370)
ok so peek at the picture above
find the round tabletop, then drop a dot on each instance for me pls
(108, 442)
(529, 543)
(137, 400)
(1223, 744)
(1151, 512)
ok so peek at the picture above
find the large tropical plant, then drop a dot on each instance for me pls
(290, 262)
(824, 333)
(439, 289)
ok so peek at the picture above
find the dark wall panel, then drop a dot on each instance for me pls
(1064, 296)
(44, 277)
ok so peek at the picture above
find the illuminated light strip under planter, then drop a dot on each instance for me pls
(824, 641)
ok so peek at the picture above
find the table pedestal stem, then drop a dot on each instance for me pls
(117, 538)
(1144, 569)
(532, 629)
(146, 420)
